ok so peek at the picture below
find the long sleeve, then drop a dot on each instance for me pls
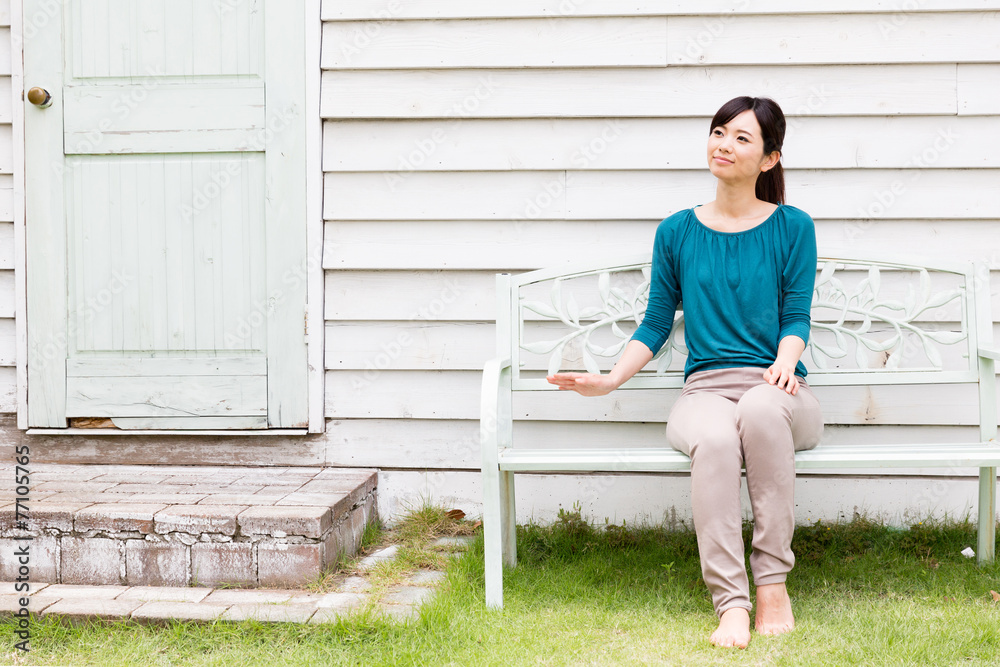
(664, 290)
(797, 281)
(742, 291)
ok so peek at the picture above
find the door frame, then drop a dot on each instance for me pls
(315, 323)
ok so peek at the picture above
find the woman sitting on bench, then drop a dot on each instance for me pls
(744, 266)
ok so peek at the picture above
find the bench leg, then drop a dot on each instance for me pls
(493, 522)
(987, 515)
(508, 526)
(498, 487)
(499, 536)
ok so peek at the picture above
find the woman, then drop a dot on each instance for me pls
(744, 266)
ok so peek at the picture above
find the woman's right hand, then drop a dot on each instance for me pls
(636, 356)
(585, 384)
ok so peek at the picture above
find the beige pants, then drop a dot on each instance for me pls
(724, 419)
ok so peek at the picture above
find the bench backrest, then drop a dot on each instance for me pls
(873, 322)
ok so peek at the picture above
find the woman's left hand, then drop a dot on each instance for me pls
(782, 376)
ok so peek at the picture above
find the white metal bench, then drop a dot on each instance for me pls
(906, 324)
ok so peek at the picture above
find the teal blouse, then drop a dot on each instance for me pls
(742, 292)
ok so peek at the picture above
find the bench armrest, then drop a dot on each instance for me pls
(499, 362)
(494, 414)
(990, 353)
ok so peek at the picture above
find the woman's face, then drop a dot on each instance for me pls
(736, 150)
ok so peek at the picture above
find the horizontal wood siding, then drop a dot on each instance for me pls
(621, 194)
(8, 350)
(493, 245)
(832, 90)
(336, 10)
(594, 144)
(666, 499)
(464, 139)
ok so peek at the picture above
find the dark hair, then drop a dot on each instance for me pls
(771, 183)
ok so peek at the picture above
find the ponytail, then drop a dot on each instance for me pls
(771, 185)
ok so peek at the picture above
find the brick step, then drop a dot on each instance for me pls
(153, 525)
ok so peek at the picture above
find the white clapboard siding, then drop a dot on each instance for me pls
(6, 245)
(5, 52)
(6, 198)
(339, 10)
(6, 101)
(8, 297)
(8, 355)
(424, 443)
(635, 92)
(410, 295)
(873, 193)
(8, 389)
(666, 499)
(6, 293)
(501, 245)
(6, 149)
(370, 347)
(837, 39)
(647, 143)
(423, 345)
(454, 444)
(446, 149)
(455, 295)
(511, 245)
(946, 240)
(978, 92)
(656, 41)
(455, 395)
(650, 194)
(571, 42)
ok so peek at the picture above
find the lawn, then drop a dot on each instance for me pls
(863, 594)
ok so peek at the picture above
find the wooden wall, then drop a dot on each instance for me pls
(8, 355)
(462, 139)
(465, 139)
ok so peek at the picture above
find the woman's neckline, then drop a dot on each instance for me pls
(743, 231)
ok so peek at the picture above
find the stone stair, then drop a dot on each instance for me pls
(148, 525)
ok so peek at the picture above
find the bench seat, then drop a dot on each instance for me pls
(665, 459)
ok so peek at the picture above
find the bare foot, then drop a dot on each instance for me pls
(734, 628)
(774, 610)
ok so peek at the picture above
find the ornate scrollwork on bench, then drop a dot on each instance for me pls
(893, 319)
(865, 301)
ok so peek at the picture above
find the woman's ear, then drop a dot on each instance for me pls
(770, 161)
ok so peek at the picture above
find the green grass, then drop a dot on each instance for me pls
(863, 594)
(414, 535)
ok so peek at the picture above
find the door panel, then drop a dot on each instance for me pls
(166, 396)
(157, 265)
(110, 386)
(128, 38)
(163, 117)
(169, 215)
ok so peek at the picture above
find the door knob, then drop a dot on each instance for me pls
(39, 97)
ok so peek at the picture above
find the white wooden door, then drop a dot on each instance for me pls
(165, 213)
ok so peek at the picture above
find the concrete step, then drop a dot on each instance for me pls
(155, 604)
(159, 604)
(147, 525)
